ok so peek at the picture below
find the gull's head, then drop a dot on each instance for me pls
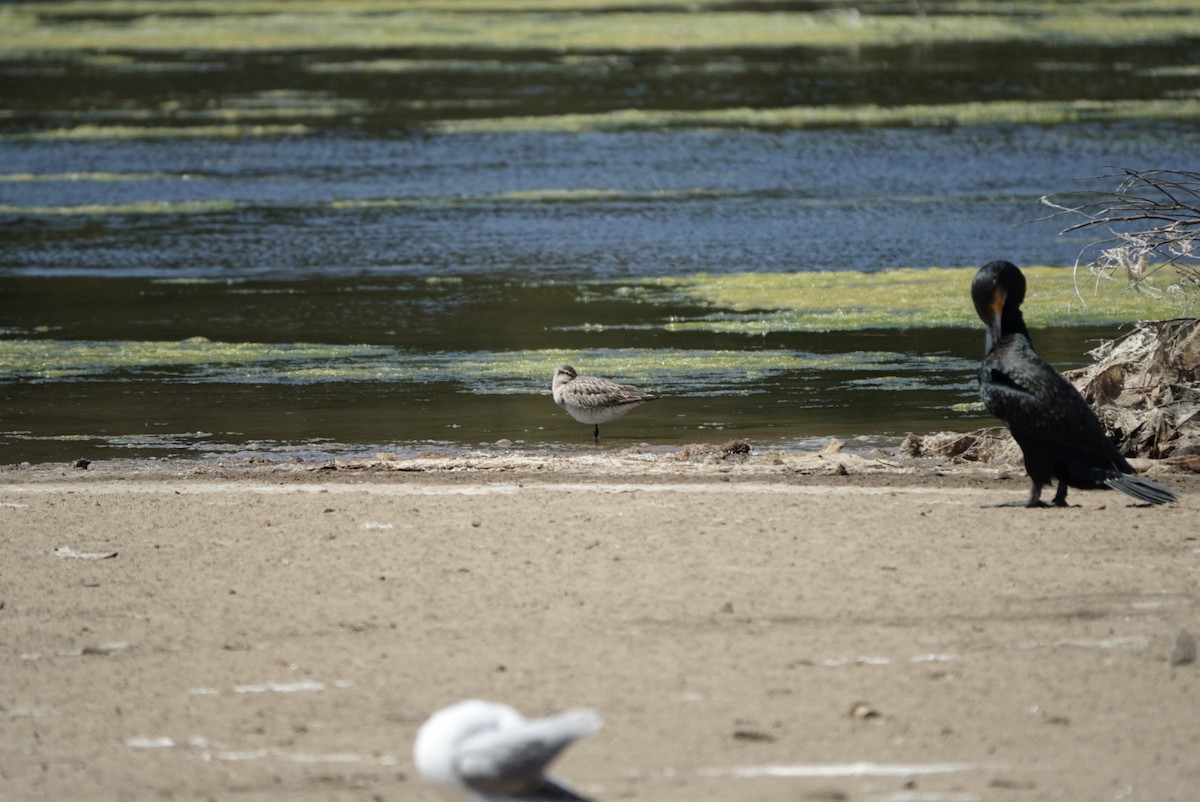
(435, 752)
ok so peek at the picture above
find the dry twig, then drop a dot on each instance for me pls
(1152, 219)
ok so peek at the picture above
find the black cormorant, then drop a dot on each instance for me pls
(1057, 431)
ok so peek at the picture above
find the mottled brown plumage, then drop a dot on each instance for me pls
(591, 400)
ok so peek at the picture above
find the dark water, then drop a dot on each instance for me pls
(364, 276)
(649, 203)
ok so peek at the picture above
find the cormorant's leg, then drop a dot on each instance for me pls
(1035, 499)
(596, 434)
(1060, 497)
(1035, 496)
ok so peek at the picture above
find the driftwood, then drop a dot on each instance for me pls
(1144, 387)
(982, 445)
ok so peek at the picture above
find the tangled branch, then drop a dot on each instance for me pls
(1152, 220)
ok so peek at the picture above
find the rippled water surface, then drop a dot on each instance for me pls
(277, 228)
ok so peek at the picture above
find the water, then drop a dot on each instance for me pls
(340, 250)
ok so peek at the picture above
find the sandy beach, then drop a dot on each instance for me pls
(751, 627)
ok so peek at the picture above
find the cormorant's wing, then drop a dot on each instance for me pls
(512, 761)
(1035, 400)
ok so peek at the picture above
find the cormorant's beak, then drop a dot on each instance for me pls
(999, 296)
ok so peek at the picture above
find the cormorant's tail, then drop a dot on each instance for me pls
(1141, 489)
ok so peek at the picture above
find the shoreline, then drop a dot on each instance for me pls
(735, 460)
(776, 627)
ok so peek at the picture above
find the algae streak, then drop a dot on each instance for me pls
(572, 25)
(758, 303)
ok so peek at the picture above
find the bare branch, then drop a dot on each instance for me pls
(1152, 222)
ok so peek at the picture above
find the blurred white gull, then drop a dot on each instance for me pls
(488, 752)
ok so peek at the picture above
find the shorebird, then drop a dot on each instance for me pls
(488, 752)
(1059, 434)
(596, 401)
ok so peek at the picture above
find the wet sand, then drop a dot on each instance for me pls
(771, 627)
